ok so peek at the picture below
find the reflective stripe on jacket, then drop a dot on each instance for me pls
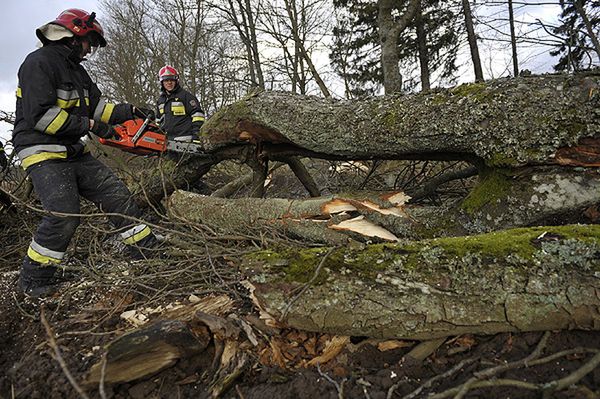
(55, 100)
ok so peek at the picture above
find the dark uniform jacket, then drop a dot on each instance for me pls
(180, 113)
(55, 100)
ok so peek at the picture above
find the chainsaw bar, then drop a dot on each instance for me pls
(185, 147)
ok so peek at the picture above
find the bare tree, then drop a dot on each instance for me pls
(243, 15)
(144, 35)
(472, 41)
(513, 39)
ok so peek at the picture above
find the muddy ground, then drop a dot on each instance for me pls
(84, 318)
(86, 315)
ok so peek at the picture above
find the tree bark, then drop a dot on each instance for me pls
(472, 37)
(502, 123)
(389, 30)
(518, 280)
(513, 39)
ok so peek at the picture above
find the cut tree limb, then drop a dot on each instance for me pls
(330, 220)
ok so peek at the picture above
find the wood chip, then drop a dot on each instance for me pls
(393, 344)
(332, 349)
(364, 227)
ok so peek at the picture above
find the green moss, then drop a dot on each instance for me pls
(299, 265)
(493, 184)
(226, 117)
(501, 160)
(514, 241)
(391, 119)
(439, 99)
(475, 90)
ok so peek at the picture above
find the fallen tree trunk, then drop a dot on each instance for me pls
(500, 126)
(533, 279)
(505, 122)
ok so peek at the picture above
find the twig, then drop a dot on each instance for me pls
(474, 382)
(21, 308)
(572, 378)
(59, 358)
(430, 381)
(308, 284)
(523, 362)
(101, 390)
(338, 387)
(486, 384)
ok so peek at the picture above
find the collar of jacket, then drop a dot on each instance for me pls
(69, 53)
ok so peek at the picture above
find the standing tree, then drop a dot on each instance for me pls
(513, 38)
(580, 22)
(472, 41)
(430, 40)
(390, 28)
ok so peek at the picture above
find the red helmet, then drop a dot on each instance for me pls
(81, 23)
(168, 72)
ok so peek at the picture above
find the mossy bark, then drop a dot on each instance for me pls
(505, 122)
(532, 279)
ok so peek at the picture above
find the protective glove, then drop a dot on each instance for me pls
(143, 113)
(104, 130)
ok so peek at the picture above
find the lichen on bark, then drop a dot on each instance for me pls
(516, 280)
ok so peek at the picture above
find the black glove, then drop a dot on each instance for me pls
(104, 130)
(143, 113)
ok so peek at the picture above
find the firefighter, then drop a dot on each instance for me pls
(178, 110)
(57, 105)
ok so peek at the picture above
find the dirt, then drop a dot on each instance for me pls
(86, 316)
(84, 320)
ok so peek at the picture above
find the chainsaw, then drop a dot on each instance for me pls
(145, 137)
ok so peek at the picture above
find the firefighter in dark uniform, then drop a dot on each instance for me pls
(57, 105)
(178, 110)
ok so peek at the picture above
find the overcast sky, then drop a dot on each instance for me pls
(22, 17)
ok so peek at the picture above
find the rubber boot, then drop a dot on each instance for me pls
(37, 280)
(148, 248)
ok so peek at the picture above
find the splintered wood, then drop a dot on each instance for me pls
(363, 217)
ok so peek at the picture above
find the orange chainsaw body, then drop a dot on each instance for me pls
(138, 137)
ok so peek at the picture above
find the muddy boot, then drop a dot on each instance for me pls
(37, 280)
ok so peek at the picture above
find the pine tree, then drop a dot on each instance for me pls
(576, 52)
(356, 51)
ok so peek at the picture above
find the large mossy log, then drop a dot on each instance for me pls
(500, 126)
(531, 279)
(504, 122)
